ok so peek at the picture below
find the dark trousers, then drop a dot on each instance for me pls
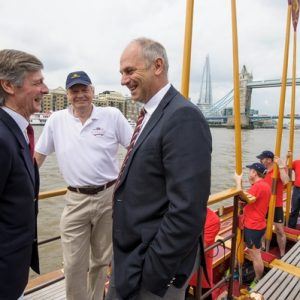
(172, 293)
(295, 207)
(14, 270)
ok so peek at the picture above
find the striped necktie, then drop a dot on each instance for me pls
(132, 142)
(30, 134)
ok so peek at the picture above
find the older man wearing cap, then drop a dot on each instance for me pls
(255, 215)
(85, 139)
(268, 159)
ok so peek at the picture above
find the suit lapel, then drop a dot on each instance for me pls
(156, 116)
(25, 153)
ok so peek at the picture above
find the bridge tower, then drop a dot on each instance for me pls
(205, 98)
(245, 99)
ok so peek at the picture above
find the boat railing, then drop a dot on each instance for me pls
(44, 196)
(213, 199)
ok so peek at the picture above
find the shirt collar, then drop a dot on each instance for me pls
(152, 104)
(19, 119)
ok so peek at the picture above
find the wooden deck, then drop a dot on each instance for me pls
(54, 291)
(283, 280)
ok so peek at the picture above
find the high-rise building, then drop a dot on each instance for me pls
(132, 109)
(47, 103)
(56, 99)
(110, 98)
(205, 98)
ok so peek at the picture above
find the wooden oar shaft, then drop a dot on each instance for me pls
(293, 96)
(236, 82)
(279, 128)
(292, 127)
(237, 121)
(186, 66)
(283, 85)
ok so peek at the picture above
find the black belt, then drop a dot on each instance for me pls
(92, 190)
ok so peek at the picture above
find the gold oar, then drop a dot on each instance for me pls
(295, 17)
(186, 66)
(237, 125)
(279, 130)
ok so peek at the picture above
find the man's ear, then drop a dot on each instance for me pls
(7, 86)
(159, 66)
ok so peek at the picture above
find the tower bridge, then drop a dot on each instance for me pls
(223, 119)
(270, 83)
(213, 112)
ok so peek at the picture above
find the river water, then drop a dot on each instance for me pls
(223, 166)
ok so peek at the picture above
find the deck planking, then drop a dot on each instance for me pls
(54, 291)
(280, 284)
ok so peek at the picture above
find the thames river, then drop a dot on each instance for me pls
(223, 167)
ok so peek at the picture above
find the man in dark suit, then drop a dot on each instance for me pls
(21, 92)
(164, 184)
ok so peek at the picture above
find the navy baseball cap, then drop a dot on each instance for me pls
(78, 77)
(266, 154)
(258, 167)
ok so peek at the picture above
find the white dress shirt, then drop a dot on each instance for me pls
(20, 120)
(153, 103)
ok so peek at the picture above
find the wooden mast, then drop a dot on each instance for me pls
(186, 66)
(279, 130)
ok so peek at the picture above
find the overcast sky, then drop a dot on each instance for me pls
(90, 35)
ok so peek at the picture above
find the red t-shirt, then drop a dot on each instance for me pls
(296, 168)
(211, 229)
(255, 213)
(280, 187)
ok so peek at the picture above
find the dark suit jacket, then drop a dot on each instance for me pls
(160, 203)
(19, 186)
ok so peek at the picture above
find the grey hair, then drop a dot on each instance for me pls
(151, 50)
(14, 65)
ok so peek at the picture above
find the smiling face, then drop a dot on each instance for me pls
(137, 74)
(27, 99)
(81, 96)
(267, 162)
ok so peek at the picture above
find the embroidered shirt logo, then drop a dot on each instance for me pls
(98, 131)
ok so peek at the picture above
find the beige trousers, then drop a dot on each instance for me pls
(86, 235)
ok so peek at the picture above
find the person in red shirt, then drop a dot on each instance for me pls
(268, 159)
(211, 229)
(296, 195)
(255, 215)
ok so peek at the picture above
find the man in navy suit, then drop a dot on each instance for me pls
(163, 187)
(21, 92)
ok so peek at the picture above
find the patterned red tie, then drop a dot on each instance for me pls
(132, 142)
(30, 134)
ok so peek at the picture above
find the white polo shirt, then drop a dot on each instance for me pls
(86, 154)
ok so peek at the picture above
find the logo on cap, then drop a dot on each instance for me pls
(75, 75)
(78, 77)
